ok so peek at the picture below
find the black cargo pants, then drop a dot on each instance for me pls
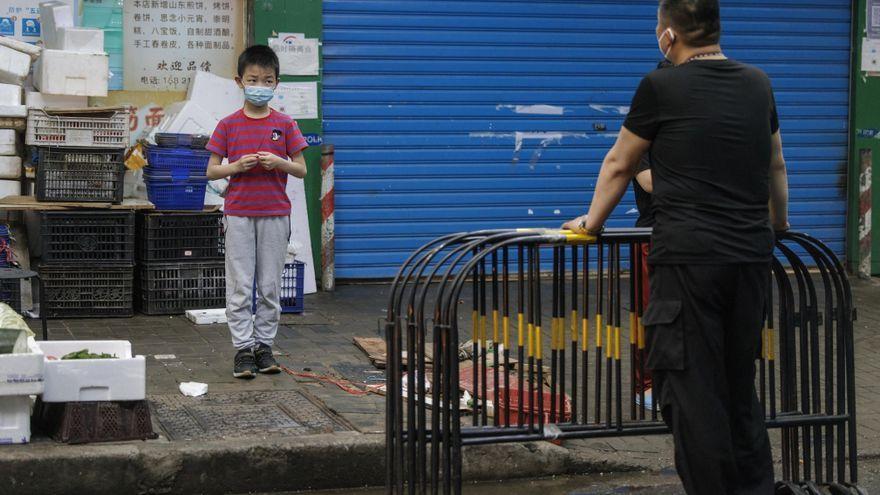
(703, 334)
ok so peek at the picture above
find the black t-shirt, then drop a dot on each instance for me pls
(710, 123)
(643, 198)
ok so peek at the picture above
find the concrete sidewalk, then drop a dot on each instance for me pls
(300, 431)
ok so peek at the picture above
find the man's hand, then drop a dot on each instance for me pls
(246, 163)
(785, 227)
(269, 161)
(576, 225)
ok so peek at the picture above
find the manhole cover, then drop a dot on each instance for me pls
(360, 373)
(238, 414)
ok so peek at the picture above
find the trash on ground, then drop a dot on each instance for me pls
(193, 389)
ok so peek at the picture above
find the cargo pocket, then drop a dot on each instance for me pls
(665, 335)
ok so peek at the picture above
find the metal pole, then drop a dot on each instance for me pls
(328, 230)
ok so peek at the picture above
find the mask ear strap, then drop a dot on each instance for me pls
(671, 35)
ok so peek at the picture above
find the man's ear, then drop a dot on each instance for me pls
(238, 81)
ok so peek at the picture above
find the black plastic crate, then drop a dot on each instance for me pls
(80, 175)
(168, 237)
(100, 421)
(88, 291)
(10, 293)
(87, 236)
(173, 288)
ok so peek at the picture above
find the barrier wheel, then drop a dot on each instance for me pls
(789, 488)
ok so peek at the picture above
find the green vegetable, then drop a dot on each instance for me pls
(85, 354)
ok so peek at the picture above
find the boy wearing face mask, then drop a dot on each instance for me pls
(263, 147)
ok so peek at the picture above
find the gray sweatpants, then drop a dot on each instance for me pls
(255, 249)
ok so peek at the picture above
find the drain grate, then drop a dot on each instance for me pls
(240, 414)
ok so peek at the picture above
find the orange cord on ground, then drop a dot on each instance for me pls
(342, 383)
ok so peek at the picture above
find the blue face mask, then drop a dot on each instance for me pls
(258, 95)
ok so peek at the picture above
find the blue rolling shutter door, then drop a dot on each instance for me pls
(460, 115)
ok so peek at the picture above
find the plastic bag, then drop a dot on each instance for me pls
(14, 332)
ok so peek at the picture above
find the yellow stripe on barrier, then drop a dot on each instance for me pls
(633, 328)
(609, 348)
(574, 325)
(505, 322)
(764, 342)
(539, 350)
(771, 349)
(484, 331)
(476, 325)
(495, 326)
(519, 328)
(599, 331)
(585, 341)
(641, 335)
(531, 340)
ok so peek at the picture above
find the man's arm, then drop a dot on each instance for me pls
(778, 186)
(617, 170)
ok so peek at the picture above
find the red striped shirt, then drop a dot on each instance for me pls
(257, 192)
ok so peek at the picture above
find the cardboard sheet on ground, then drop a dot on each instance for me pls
(300, 238)
(377, 352)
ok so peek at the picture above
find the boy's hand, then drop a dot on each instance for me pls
(246, 163)
(270, 161)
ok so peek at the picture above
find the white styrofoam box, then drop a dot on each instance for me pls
(81, 380)
(54, 15)
(13, 111)
(188, 117)
(35, 99)
(82, 40)
(9, 188)
(71, 73)
(10, 167)
(22, 374)
(32, 50)
(206, 316)
(14, 65)
(8, 142)
(10, 94)
(221, 97)
(15, 419)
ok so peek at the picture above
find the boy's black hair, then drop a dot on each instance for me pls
(260, 55)
(698, 22)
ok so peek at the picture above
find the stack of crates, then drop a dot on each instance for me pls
(79, 154)
(176, 172)
(181, 262)
(87, 264)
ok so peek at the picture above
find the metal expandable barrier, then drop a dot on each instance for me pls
(444, 393)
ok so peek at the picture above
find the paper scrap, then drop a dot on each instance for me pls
(193, 389)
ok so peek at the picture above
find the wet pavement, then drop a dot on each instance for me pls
(321, 392)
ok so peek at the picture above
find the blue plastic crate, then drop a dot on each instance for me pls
(179, 162)
(168, 193)
(292, 280)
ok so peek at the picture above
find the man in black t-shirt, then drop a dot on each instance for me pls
(719, 191)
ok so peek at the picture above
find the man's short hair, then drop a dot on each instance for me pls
(259, 55)
(698, 22)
